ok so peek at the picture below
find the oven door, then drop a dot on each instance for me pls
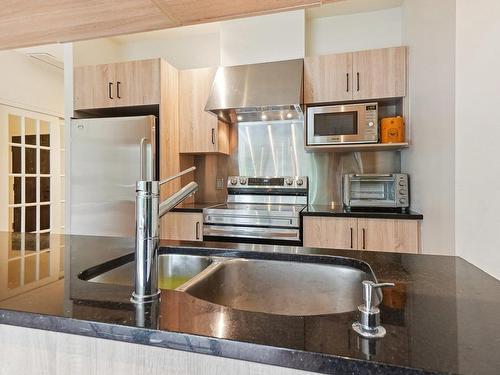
(341, 124)
(233, 233)
(377, 191)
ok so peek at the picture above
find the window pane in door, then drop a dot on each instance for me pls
(44, 133)
(44, 161)
(14, 273)
(44, 189)
(14, 129)
(44, 265)
(44, 241)
(15, 219)
(45, 217)
(30, 160)
(30, 269)
(15, 160)
(14, 190)
(30, 189)
(30, 219)
(29, 131)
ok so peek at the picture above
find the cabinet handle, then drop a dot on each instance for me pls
(347, 80)
(363, 237)
(357, 80)
(213, 136)
(351, 238)
(110, 90)
(197, 230)
(118, 83)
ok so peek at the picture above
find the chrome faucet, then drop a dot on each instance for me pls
(148, 212)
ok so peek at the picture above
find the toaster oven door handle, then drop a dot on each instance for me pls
(373, 175)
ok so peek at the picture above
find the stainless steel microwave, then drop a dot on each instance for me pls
(376, 191)
(342, 124)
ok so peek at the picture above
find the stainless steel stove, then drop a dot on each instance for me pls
(258, 210)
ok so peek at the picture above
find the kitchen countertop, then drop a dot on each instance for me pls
(320, 210)
(340, 211)
(441, 317)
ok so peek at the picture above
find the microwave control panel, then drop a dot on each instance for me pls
(372, 122)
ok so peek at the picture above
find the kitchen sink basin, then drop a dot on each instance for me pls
(174, 270)
(280, 287)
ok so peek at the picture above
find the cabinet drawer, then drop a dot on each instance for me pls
(182, 226)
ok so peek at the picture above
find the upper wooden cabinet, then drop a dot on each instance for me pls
(201, 132)
(124, 84)
(379, 73)
(373, 74)
(328, 78)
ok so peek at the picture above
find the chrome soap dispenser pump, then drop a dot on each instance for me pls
(368, 325)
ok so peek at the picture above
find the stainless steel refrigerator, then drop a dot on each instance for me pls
(105, 164)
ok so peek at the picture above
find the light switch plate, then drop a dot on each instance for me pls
(220, 184)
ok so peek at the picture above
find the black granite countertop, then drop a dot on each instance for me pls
(340, 211)
(440, 318)
(194, 207)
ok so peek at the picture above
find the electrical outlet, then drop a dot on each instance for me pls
(220, 184)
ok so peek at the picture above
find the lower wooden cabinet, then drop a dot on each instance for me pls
(330, 232)
(362, 234)
(182, 226)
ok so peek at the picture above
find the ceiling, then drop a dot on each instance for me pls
(351, 6)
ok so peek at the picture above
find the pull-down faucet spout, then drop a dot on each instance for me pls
(148, 212)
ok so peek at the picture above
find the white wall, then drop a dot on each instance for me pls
(31, 84)
(182, 51)
(97, 51)
(429, 31)
(263, 38)
(478, 133)
(353, 32)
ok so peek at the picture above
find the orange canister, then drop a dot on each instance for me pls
(392, 130)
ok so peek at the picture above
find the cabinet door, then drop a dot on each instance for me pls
(183, 226)
(137, 83)
(93, 86)
(402, 236)
(328, 78)
(379, 73)
(330, 232)
(199, 129)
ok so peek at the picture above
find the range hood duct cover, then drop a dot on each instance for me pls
(258, 92)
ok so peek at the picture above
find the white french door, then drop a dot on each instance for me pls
(31, 171)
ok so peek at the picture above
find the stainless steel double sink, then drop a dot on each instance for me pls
(257, 285)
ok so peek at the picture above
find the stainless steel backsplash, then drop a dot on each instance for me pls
(277, 149)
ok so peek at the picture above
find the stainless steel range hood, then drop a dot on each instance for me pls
(258, 92)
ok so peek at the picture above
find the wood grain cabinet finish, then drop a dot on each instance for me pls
(330, 232)
(328, 78)
(201, 132)
(132, 83)
(379, 73)
(182, 226)
(364, 75)
(401, 236)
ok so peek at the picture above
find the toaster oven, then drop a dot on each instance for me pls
(376, 191)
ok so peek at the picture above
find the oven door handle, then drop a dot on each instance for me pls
(240, 231)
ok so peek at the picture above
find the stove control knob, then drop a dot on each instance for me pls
(289, 181)
(243, 181)
(233, 181)
(300, 182)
